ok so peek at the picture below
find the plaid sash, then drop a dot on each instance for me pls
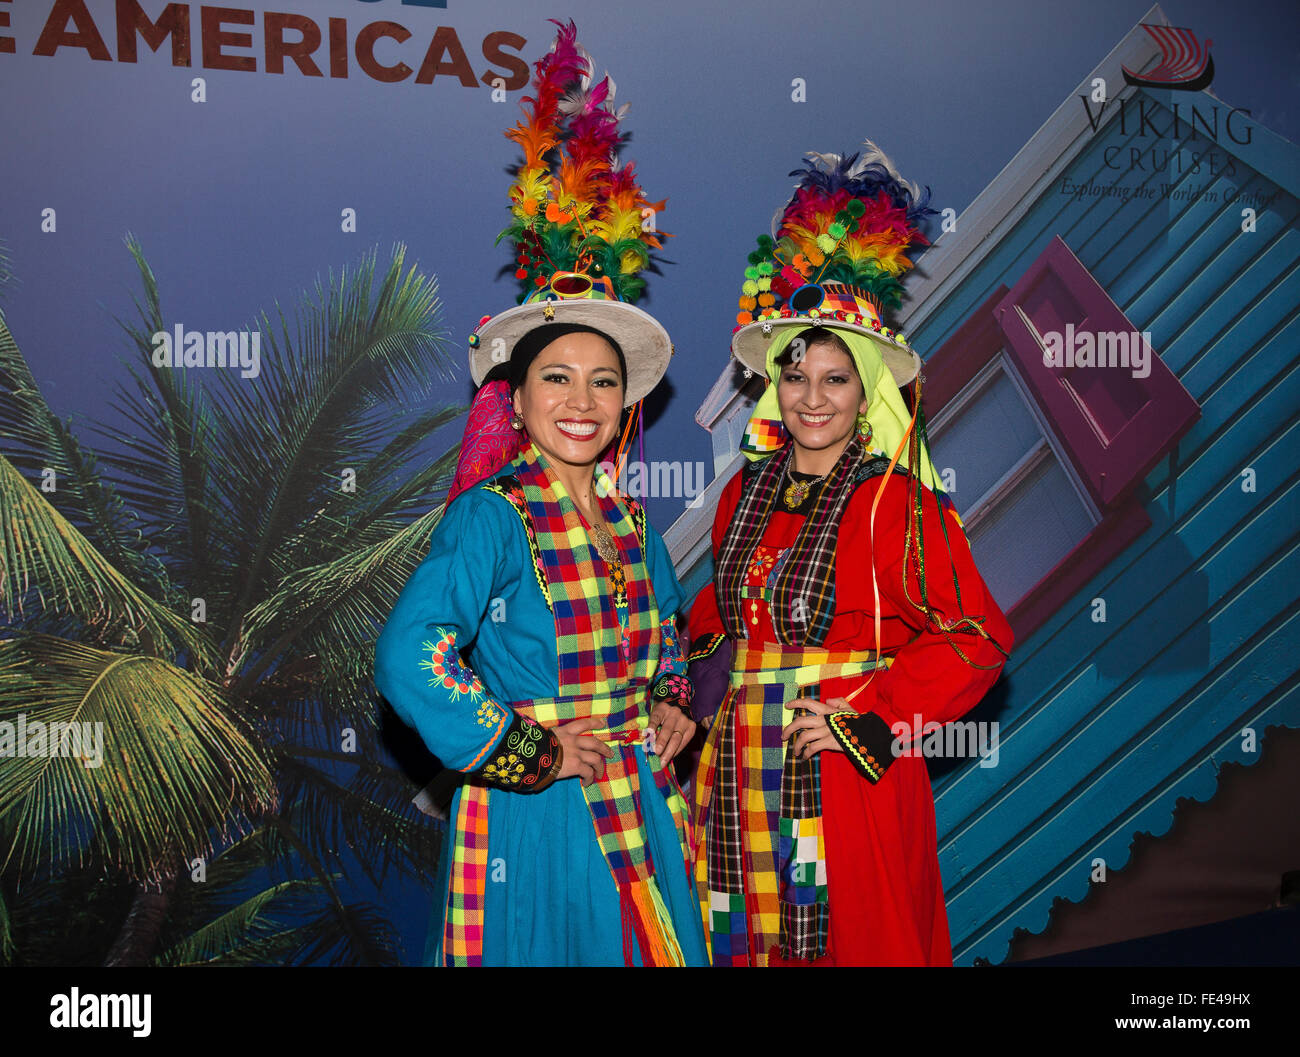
(803, 596)
(594, 680)
(760, 868)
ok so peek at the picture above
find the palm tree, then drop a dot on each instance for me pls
(278, 514)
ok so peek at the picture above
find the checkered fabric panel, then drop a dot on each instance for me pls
(761, 853)
(588, 637)
(463, 930)
(762, 436)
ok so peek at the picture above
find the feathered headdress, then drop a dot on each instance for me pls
(576, 208)
(835, 258)
(583, 232)
(837, 253)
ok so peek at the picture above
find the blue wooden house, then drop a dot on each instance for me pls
(1112, 335)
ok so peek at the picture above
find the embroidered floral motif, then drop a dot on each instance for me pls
(488, 714)
(524, 758)
(764, 568)
(526, 738)
(678, 687)
(617, 582)
(670, 648)
(506, 769)
(761, 564)
(447, 671)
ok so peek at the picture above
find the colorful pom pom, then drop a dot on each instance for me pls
(749, 287)
(748, 304)
(855, 208)
(767, 300)
(743, 318)
(837, 231)
(825, 243)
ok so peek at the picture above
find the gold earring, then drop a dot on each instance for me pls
(516, 422)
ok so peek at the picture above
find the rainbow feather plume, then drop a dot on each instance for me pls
(574, 207)
(851, 219)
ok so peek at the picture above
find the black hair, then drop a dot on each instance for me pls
(531, 344)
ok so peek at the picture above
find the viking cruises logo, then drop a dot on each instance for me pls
(1185, 63)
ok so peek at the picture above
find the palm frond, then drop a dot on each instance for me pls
(166, 468)
(246, 923)
(37, 442)
(351, 594)
(42, 555)
(161, 767)
(371, 815)
(353, 934)
(7, 949)
(271, 948)
(349, 934)
(322, 405)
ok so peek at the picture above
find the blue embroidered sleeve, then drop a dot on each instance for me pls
(418, 663)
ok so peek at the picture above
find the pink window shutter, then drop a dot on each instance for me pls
(1115, 426)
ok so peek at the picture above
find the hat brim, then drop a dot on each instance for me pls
(645, 344)
(750, 344)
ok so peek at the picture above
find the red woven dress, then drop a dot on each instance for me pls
(882, 886)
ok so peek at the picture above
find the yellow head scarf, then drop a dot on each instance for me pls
(889, 417)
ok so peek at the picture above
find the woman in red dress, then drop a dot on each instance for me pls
(845, 591)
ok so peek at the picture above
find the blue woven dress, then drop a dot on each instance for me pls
(474, 640)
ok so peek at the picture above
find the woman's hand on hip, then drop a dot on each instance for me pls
(811, 733)
(584, 755)
(670, 731)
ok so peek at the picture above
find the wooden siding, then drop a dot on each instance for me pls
(1104, 726)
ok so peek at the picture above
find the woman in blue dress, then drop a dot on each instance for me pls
(569, 841)
(535, 648)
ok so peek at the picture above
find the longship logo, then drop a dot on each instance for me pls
(1185, 63)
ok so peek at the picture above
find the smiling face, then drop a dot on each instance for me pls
(820, 396)
(571, 399)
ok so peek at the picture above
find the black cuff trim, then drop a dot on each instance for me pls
(674, 688)
(523, 761)
(867, 740)
(704, 646)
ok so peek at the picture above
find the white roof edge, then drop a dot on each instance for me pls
(1008, 195)
(697, 521)
(715, 401)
